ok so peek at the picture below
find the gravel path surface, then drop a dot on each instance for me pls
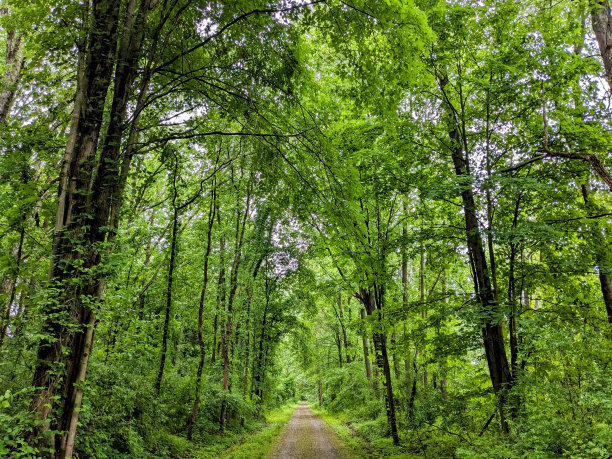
(306, 436)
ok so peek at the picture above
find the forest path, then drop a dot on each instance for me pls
(306, 436)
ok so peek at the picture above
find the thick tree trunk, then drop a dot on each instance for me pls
(76, 236)
(15, 59)
(84, 206)
(492, 332)
(601, 18)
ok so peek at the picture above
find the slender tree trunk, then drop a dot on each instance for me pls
(257, 383)
(338, 341)
(373, 301)
(444, 364)
(405, 284)
(396, 368)
(247, 344)
(13, 288)
(422, 297)
(213, 356)
(512, 296)
(220, 291)
(343, 327)
(198, 383)
(490, 208)
(248, 326)
(413, 390)
(227, 336)
(366, 352)
(171, 266)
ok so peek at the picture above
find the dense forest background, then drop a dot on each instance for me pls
(398, 210)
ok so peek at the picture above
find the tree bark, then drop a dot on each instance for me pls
(239, 238)
(76, 235)
(366, 352)
(512, 295)
(601, 19)
(13, 288)
(343, 327)
(373, 302)
(171, 265)
(15, 59)
(492, 332)
(196, 401)
(249, 299)
(220, 291)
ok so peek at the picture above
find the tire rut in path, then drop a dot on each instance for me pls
(306, 436)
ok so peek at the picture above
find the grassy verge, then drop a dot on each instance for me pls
(359, 446)
(255, 440)
(362, 446)
(259, 444)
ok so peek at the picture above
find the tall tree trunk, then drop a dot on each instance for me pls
(373, 302)
(258, 364)
(422, 297)
(171, 266)
(343, 327)
(213, 356)
(198, 383)
(220, 291)
(512, 295)
(444, 364)
(405, 284)
(492, 332)
(227, 336)
(249, 300)
(413, 390)
(84, 205)
(76, 236)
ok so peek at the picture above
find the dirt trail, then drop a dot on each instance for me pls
(306, 436)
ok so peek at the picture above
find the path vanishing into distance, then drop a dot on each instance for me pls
(307, 436)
